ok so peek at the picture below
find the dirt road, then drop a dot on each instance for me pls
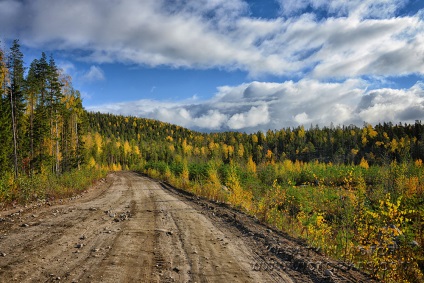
(129, 228)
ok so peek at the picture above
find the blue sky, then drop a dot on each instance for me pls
(219, 65)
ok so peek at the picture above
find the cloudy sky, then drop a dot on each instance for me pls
(219, 65)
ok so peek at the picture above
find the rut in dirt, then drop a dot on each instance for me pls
(134, 229)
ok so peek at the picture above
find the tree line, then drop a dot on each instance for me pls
(152, 140)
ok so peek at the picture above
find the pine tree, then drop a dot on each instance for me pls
(5, 129)
(32, 90)
(55, 110)
(15, 94)
(41, 122)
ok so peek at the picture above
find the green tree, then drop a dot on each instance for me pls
(41, 121)
(5, 129)
(32, 90)
(55, 111)
(15, 94)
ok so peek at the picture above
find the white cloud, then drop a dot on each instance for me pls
(287, 104)
(371, 47)
(95, 73)
(393, 105)
(336, 39)
(254, 117)
(212, 120)
(362, 37)
(343, 8)
(302, 118)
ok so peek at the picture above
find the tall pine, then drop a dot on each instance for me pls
(55, 110)
(5, 129)
(15, 95)
(32, 91)
(41, 160)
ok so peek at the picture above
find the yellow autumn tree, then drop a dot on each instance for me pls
(91, 162)
(98, 142)
(371, 132)
(185, 175)
(213, 184)
(394, 145)
(269, 156)
(186, 147)
(127, 148)
(251, 165)
(364, 163)
(136, 150)
(238, 196)
(240, 151)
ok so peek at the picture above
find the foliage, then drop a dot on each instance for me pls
(42, 124)
(42, 119)
(353, 193)
(45, 186)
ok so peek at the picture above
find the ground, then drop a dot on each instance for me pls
(129, 228)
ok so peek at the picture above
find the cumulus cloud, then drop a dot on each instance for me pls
(302, 118)
(359, 37)
(254, 117)
(211, 120)
(335, 40)
(261, 106)
(393, 105)
(95, 73)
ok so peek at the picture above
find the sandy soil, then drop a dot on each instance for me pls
(129, 228)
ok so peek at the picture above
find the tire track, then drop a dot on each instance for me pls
(130, 229)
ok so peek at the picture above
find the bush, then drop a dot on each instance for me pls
(41, 186)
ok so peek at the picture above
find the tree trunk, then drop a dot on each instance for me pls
(15, 138)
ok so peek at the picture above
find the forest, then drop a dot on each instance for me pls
(42, 125)
(352, 193)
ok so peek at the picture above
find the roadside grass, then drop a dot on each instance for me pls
(371, 217)
(26, 188)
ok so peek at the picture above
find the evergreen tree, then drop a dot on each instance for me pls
(32, 90)
(55, 110)
(41, 122)
(5, 129)
(15, 94)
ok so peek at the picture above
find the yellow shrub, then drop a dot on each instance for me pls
(364, 163)
(413, 187)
